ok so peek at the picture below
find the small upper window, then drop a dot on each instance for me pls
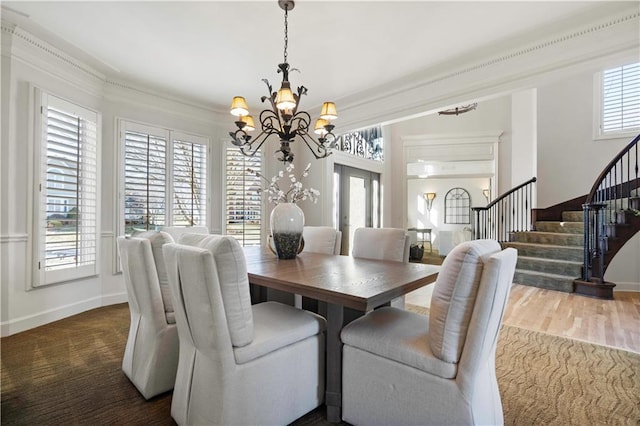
(620, 101)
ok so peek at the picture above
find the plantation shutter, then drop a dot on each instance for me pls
(621, 99)
(243, 198)
(189, 183)
(68, 205)
(145, 175)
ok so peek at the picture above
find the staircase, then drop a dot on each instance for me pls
(551, 256)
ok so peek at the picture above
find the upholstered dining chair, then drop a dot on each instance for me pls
(319, 239)
(403, 368)
(322, 239)
(176, 232)
(384, 244)
(151, 354)
(239, 364)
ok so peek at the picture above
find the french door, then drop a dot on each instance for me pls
(358, 202)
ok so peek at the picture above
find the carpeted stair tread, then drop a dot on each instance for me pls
(553, 266)
(554, 238)
(547, 251)
(544, 280)
(559, 261)
(544, 245)
(573, 216)
(560, 227)
(546, 274)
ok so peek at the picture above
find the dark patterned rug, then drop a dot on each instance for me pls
(69, 372)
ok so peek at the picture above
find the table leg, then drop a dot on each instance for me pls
(333, 385)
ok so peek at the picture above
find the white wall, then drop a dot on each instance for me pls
(491, 116)
(570, 158)
(419, 217)
(25, 65)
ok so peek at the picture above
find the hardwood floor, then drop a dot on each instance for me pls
(613, 323)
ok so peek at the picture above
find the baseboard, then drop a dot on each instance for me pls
(627, 287)
(41, 318)
(114, 298)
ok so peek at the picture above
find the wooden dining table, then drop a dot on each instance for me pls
(341, 282)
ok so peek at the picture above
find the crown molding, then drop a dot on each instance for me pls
(29, 49)
(512, 69)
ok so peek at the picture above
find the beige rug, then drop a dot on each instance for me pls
(552, 380)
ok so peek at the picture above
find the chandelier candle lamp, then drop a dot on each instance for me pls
(284, 119)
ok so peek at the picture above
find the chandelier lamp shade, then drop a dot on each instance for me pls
(283, 118)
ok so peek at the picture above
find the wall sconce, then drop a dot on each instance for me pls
(486, 194)
(428, 197)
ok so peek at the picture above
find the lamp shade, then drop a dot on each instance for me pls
(239, 106)
(249, 125)
(328, 111)
(429, 196)
(285, 99)
(319, 128)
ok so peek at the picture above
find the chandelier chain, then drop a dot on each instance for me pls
(286, 32)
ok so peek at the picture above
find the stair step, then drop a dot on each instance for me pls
(573, 216)
(549, 266)
(544, 280)
(551, 238)
(547, 251)
(560, 227)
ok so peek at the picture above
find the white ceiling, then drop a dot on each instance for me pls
(211, 51)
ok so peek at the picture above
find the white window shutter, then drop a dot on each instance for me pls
(68, 213)
(243, 197)
(621, 99)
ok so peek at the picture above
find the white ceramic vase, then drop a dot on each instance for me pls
(287, 222)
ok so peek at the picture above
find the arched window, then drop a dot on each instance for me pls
(457, 206)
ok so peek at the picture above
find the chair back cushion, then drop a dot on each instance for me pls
(234, 282)
(157, 240)
(177, 232)
(454, 297)
(320, 239)
(381, 243)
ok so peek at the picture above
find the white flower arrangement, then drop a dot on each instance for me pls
(295, 192)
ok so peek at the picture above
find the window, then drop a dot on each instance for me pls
(365, 143)
(67, 216)
(164, 183)
(457, 206)
(620, 112)
(243, 197)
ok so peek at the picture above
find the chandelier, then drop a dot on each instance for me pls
(283, 119)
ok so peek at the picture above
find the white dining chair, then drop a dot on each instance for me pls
(177, 231)
(240, 364)
(400, 367)
(150, 357)
(322, 239)
(383, 244)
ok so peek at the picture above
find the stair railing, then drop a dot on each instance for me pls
(510, 212)
(615, 190)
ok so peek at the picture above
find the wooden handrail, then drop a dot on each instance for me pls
(506, 194)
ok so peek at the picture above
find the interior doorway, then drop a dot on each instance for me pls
(358, 201)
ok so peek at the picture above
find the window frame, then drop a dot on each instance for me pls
(40, 276)
(124, 125)
(598, 109)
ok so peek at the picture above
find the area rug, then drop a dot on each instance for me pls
(552, 380)
(69, 372)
